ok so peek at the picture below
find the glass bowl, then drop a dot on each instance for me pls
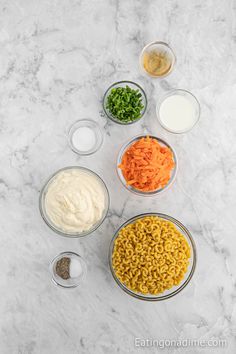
(134, 190)
(133, 86)
(175, 289)
(158, 46)
(55, 227)
(190, 97)
(71, 282)
(86, 123)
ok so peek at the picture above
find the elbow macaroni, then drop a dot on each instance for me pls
(150, 255)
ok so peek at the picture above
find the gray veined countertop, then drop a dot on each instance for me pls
(56, 60)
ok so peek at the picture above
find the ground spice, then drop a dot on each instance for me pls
(63, 268)
(157, 63)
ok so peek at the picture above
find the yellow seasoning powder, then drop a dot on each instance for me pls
(157, 63)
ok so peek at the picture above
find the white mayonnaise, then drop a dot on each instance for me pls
(178, 113)
(75, 200)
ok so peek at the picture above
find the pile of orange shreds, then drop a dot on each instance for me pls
(146, 165)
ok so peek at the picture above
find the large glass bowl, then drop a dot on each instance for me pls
(55, 227)
(137, 191)
(175, 289)
(133, 86)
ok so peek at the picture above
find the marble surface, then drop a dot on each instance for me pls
(56, 60)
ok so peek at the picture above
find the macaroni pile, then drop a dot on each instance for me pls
(150, 255)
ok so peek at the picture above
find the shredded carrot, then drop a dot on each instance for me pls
(146, 165)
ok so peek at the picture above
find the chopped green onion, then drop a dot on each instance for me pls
(125, 104)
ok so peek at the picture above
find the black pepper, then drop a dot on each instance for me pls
(63, 268)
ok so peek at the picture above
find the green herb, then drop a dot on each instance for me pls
(125, 104)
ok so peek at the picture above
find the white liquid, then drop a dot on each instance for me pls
(84, 139)
(178, 113)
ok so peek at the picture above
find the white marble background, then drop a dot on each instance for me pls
(56, 60)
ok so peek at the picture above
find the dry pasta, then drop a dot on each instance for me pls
(150, 255)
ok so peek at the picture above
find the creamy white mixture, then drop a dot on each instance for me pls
(178, 113)
(75, 201)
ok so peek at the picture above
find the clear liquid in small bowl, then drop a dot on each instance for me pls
(157, 63)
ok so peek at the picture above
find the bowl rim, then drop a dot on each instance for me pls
(60, 255)
(46, 219)
(124, 82)
(194, 257)
(95, 127)
(170, 93)
(122, 150)
(172, 64)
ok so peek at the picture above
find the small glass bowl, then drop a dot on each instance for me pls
(50, 223)
(88, 123)
(134, 190)
(175, 289)
(133, 86)
(189, 96)
(71, 282)
(159, 46)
